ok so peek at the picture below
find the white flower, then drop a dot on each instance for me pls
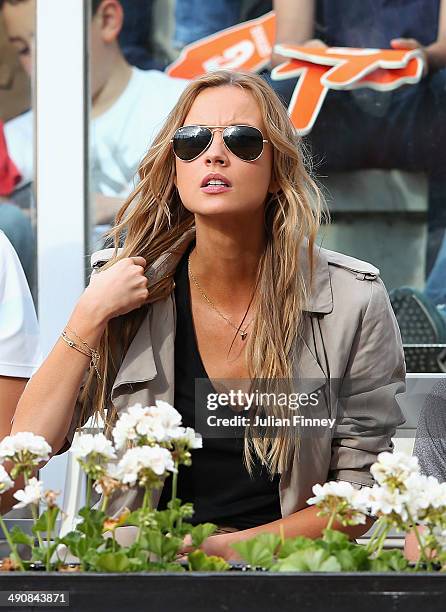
(139, 424)
(124, 430)
(13, 447)
(424, 492)
(333, 488)
(394, 465)
(87, 444)
(5, 480)
(388, 501)
(169, 416)
(155, 458)
(360, 500)
(350, 504)
(188, 436)
(32, 494)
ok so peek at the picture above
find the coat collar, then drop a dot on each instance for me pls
(320, 300)
(141, 350)
(318, 284)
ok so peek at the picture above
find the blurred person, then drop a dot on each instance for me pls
(430, 447)
(136, 34)
(224, 205)
(404, 128)
(195, 19)
(14, 84)
(13, 221)
(19, 341)
(128, 104)
(19, 337)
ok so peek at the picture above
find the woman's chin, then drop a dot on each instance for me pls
(221, 207)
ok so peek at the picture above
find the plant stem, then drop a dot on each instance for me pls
(12, 546)
(380, 526)
(331, 519)
(48, 539)
(146, 505)
(104, 503)
(35, 513)
(174, 482)
(382, 538)
(174, 492)
(147, 500)
(88, 492)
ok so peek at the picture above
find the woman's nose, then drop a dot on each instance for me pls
(217, 152)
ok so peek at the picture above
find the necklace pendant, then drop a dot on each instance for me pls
(243, 334)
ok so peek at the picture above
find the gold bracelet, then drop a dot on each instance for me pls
(92, 350)
(92, 353)
(73, 344)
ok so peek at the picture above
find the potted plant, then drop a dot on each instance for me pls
(149, 444)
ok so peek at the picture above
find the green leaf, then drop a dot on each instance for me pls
(39, 554)
(93, 522)
(78, 544)
(200, 532)
(165, 548)
(19, 537)
(164, 567)
(389, 561)
(308, 560)
(200, 562)
(336, 539)
(111, 562)
(41, 525)
(165, 519)
(354, 560)
(292, 545)
(258, 551)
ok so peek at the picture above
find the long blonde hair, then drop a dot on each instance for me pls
(153, 218)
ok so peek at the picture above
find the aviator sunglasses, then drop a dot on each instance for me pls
(244, 141)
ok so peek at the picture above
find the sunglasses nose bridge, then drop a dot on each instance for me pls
(219, 141)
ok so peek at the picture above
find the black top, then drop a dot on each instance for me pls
(217, 482)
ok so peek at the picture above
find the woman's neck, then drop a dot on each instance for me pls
(226, 259)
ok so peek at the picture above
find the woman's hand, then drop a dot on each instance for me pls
(217, 545)
(117, 290)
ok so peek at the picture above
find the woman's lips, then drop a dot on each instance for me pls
(212, 189)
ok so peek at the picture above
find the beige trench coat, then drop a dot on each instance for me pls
(350, 336)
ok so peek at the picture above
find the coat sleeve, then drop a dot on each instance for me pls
(367, 411)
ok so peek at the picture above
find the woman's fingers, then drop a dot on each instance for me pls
(139, 261)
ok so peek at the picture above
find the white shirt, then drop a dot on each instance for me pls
(124, 133)
(19, 139)
(120, 137)
(19, 335)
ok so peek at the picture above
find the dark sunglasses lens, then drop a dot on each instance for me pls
(191, 140)
(244, 141)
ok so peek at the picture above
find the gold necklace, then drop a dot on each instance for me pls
(243, 333)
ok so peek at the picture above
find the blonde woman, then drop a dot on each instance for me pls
(219, 278)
